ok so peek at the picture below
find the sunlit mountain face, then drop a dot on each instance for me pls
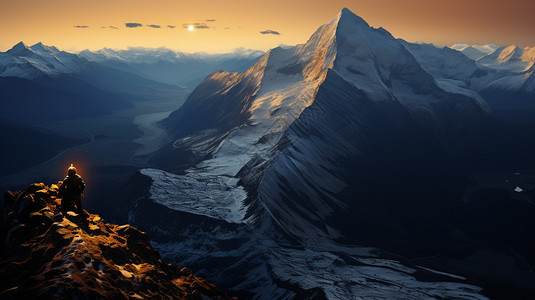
(354, 165)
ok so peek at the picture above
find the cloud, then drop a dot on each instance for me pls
(154, 26)
(81, 26)
(226, 28)
(171, 26)
(270, 32)
(196, 26)
(210, 20)
(113, 27)
(133, 25)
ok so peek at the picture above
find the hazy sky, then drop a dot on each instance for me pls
(224, 25)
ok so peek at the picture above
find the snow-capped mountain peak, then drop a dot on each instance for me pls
(278, 147)
(509, 58)
(44, 50)
(475, 52)
(255, 108)
(19, 49)
(509, 53)
(372, 59)
(347, 18)
(38, 60)
(488, 48)
(321, 50)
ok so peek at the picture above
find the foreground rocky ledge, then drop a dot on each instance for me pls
(46, 254)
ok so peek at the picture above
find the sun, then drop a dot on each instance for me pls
(190, 27)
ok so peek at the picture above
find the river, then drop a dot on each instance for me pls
(153, 136)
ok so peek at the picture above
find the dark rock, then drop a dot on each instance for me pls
(185, 271)
(316, 293)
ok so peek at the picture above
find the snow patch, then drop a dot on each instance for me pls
(217, 197)
(153, 135)
(444, 273)
(384, 279)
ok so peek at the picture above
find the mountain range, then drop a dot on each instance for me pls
(355, 165)
(41, 84)
(475, 51)
(173, 67)
(504, 79)
(353, 138)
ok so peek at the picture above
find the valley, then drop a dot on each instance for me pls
(110, 156)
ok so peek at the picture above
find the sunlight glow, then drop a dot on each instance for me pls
(190, 27)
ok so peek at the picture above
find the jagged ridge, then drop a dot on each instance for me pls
(46, 254)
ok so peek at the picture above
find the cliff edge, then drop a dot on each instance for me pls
(48, 254)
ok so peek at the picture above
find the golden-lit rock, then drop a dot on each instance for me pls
(46, 254)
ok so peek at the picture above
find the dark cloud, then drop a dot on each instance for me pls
(196, 26)
(81, 26)
(171, 26)
(270, 32)
(154, 26)
(133, 25)
(210, 20)
(113, 27)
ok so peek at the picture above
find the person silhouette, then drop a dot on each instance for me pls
(71, 191)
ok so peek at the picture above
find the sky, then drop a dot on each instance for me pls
(224, 25)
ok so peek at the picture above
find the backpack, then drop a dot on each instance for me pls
(72, 185)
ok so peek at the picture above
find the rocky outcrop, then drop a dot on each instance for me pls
(48, 254)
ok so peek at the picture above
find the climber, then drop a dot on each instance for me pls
(71, 191)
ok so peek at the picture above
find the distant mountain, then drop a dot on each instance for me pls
(353, 138)
(512, 58)
(47, 253)
(474, 51)
(173, 67)
(503, 78)
(512, 93)
(38, 61)
(444, 62)
(66, 86)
